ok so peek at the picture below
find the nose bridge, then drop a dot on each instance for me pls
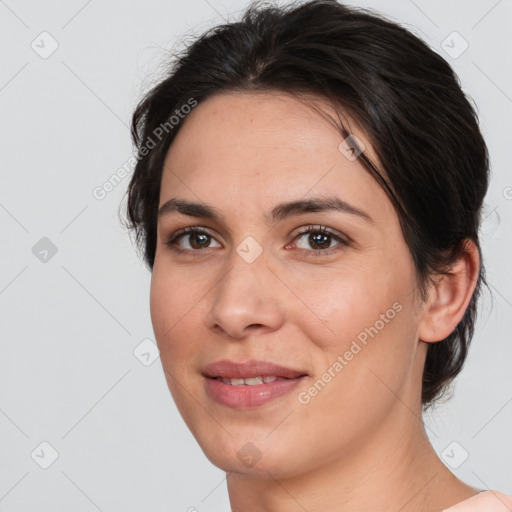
(247, 295)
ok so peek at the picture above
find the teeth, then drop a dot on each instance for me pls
(250, 381)
(253, 381)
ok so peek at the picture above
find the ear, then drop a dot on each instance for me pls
(449, 297)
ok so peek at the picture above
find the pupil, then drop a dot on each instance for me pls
(317, 239)
(199, 244)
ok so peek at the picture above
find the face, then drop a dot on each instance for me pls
(297, 260)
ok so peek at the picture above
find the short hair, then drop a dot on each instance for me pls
(434, 162)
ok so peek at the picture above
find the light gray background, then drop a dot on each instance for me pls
(70, 324)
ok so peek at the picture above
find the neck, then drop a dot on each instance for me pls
(396, 469)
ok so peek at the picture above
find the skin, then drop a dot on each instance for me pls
(360, 443)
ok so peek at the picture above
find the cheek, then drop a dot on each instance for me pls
(173, 296)
(367, 321)
(171, 307)
(171, 314)
(338, 306)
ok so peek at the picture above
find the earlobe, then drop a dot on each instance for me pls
(449, 296)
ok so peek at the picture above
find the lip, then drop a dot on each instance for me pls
(230, 369)
(245, 396)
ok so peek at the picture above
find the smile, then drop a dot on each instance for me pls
(249, 384)
(250, 381)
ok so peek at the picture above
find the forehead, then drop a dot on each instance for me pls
(265, 147)
(274, 118)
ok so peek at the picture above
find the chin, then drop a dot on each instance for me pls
(256, 457)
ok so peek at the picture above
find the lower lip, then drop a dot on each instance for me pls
(247, 397)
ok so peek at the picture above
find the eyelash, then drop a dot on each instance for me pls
(198, 230)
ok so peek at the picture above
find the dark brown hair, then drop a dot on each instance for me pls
(433, 159)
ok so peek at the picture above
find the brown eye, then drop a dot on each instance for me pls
(319, 239)
(191, 239)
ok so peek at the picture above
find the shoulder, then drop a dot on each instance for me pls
(486, 501)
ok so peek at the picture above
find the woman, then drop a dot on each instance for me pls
(308, 196)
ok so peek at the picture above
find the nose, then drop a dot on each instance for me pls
(247, 299)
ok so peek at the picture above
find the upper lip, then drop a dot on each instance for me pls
(231, 369)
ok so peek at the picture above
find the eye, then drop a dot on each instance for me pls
(320, 239)
(315, 240)
(194, 238)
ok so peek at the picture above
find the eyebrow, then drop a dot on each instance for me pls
(278, 213)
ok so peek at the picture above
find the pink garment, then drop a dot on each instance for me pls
(486, 501)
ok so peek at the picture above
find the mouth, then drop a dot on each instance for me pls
(250, 381)
(251, 384)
